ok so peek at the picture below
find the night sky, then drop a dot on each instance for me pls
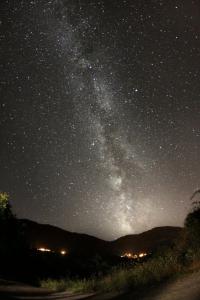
(100, 112)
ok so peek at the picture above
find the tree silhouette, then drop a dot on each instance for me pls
(195, 193)
(192, 222)
(5, 208)
(11, 234)
(195, 203)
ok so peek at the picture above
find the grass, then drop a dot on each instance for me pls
(122, 279)
(74, 286)
(153, 271)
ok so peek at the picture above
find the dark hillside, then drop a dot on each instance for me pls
(56, 239)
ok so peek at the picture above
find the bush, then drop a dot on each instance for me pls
(154, 270)
(73, 286)
(122, 279)
(192, 224)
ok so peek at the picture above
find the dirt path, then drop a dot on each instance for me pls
(13, 290)
(54, 296)
(185, 288)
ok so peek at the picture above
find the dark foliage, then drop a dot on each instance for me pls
(192, 224)
(13, 244)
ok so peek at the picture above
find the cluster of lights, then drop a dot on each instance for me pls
(134, 256)
(62, 252)
(127, 254)
(44, 250)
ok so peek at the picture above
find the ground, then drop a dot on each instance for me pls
(185, 288)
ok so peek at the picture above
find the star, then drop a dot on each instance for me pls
(100, 113)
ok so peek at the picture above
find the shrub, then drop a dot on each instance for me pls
(154, 270)
(122, 279)
(192, 224)
(74, 286)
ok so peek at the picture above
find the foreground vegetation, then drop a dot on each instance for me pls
(153, 271)
(183, 257)
(119, 278)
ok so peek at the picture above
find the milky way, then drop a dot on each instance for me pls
(100, 126)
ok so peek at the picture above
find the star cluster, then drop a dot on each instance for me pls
(100, 112)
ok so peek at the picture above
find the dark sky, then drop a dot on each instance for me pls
(100, 112)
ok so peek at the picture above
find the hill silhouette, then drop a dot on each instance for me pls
(57, 239)
(147, 241)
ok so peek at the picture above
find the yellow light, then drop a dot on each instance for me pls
(134, 256)
(63, 252)
(44, 250)
(142, 254)
(129, 255)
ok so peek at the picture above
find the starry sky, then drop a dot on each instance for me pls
(100, 112)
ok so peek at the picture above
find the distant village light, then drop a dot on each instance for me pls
(44, 249)
(142, 254)
(128, 255)
(134, 256)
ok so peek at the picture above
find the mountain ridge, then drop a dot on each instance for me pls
(56, 239)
